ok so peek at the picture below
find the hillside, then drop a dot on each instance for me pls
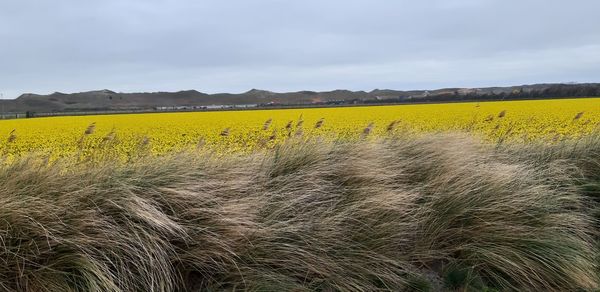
(110, 100)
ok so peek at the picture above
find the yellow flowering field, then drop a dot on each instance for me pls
(230, 131)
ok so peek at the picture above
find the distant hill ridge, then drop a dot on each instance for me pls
(110, 100)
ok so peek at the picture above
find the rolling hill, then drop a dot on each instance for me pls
(110, 100)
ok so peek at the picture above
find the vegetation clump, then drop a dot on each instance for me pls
(438, 212)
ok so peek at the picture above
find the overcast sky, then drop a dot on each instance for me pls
(236, 45)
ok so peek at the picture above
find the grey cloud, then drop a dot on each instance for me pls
(216, 46)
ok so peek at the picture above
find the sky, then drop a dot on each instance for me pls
(236, 45)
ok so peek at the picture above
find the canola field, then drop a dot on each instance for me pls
(232, 131)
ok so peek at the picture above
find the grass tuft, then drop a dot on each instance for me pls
(437, 212)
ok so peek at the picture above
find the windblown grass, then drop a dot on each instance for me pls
(439, 212)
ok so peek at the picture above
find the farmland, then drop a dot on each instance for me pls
(243, 131)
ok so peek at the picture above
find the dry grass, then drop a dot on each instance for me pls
(422, 214)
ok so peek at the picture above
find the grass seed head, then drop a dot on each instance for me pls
(201, 143)
(319, 123)
(225, 132)
(273, 136)
(12, 136)
(368, 130)
(392, 126)
(90, 129)
(267, 124)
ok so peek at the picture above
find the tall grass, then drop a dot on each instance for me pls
(439, 212)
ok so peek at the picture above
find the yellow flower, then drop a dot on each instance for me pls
(159, 133)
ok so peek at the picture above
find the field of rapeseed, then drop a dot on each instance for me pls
(231, 131)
